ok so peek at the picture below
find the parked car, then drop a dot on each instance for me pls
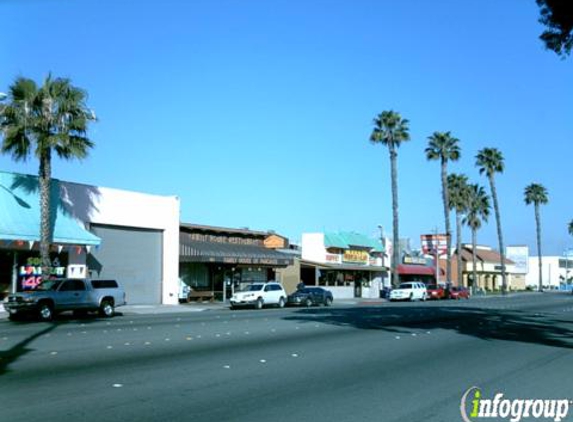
(309, 296)
(459, 293)
(412, 290)
(437, 292)
(58, 295)
(259, 295)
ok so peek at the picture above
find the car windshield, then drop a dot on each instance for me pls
(49, 285)
(405, 286)
(304, 291)
(432, 287)
(254, 287)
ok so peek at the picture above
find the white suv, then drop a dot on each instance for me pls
(259, 295)
(409, 291)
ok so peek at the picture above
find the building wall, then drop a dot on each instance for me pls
(289, 277)
(113, 207)
(552, 274)
(313, 247)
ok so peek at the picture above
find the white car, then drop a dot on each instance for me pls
(259, 295)
(412, 290)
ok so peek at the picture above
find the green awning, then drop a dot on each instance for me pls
(20, 213)
(346, 240)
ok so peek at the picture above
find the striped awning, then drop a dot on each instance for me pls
(230, 253)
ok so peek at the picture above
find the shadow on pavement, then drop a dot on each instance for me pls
(509, 325)
(11, 355)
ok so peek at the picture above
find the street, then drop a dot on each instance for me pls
(376, 362)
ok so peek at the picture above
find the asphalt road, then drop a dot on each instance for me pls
(387, 362)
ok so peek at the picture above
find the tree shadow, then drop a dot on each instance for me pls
(72, 199)
(485, 324)
(8, 357)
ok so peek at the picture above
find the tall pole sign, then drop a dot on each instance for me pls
(434, 244)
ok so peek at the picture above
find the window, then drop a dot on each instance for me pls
(104, 284)
(72, 285)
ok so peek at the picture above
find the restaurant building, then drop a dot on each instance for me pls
(219, 260)
(488, 269)
(347, 263)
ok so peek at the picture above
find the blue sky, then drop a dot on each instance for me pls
(258, 113)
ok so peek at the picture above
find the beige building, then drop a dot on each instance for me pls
(488, 268)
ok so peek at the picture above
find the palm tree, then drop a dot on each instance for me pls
(477, 211)
(490, 161)
(390, 129)
(570, 227)
(536, 194)
(41, 121)
(458, 192)
(444, 147)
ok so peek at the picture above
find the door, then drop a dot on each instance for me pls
(72, 295)
(133, 257)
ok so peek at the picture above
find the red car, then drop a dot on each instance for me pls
(436, 292)
(459, 293)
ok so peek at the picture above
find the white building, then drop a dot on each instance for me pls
(129, 236)
(555, 271)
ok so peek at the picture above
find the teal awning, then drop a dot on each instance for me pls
(20, 213)
(346, 240)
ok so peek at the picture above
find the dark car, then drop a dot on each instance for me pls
(309, 296)
(459, 293)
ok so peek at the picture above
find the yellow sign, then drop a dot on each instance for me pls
(356, 256)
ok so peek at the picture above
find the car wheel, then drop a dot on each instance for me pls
(282, 302)
(308, 302)
(45, 312)
(328, 301)
(411, 297)
(259, 303)
(106, 309)
(423, 297)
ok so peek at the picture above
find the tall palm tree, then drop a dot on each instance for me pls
(390, 129)
(458, 201)
(477, 211)
(40, 121)
(490, 162)
(536, 194)
(570, 228)
(444, 147)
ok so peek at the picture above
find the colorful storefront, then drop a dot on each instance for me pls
(102, 232)
(347, 263)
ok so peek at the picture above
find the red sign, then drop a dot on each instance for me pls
(434, 242)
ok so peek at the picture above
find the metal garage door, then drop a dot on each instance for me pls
(131, 256)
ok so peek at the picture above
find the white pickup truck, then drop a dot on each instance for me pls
(58, 295)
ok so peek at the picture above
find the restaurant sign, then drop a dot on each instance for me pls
(360, 257)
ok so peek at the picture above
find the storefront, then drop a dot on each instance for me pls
(347, 263)
(415, 268)
(20, 264)
(488, 270)
(221, 260)
(108, 233)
